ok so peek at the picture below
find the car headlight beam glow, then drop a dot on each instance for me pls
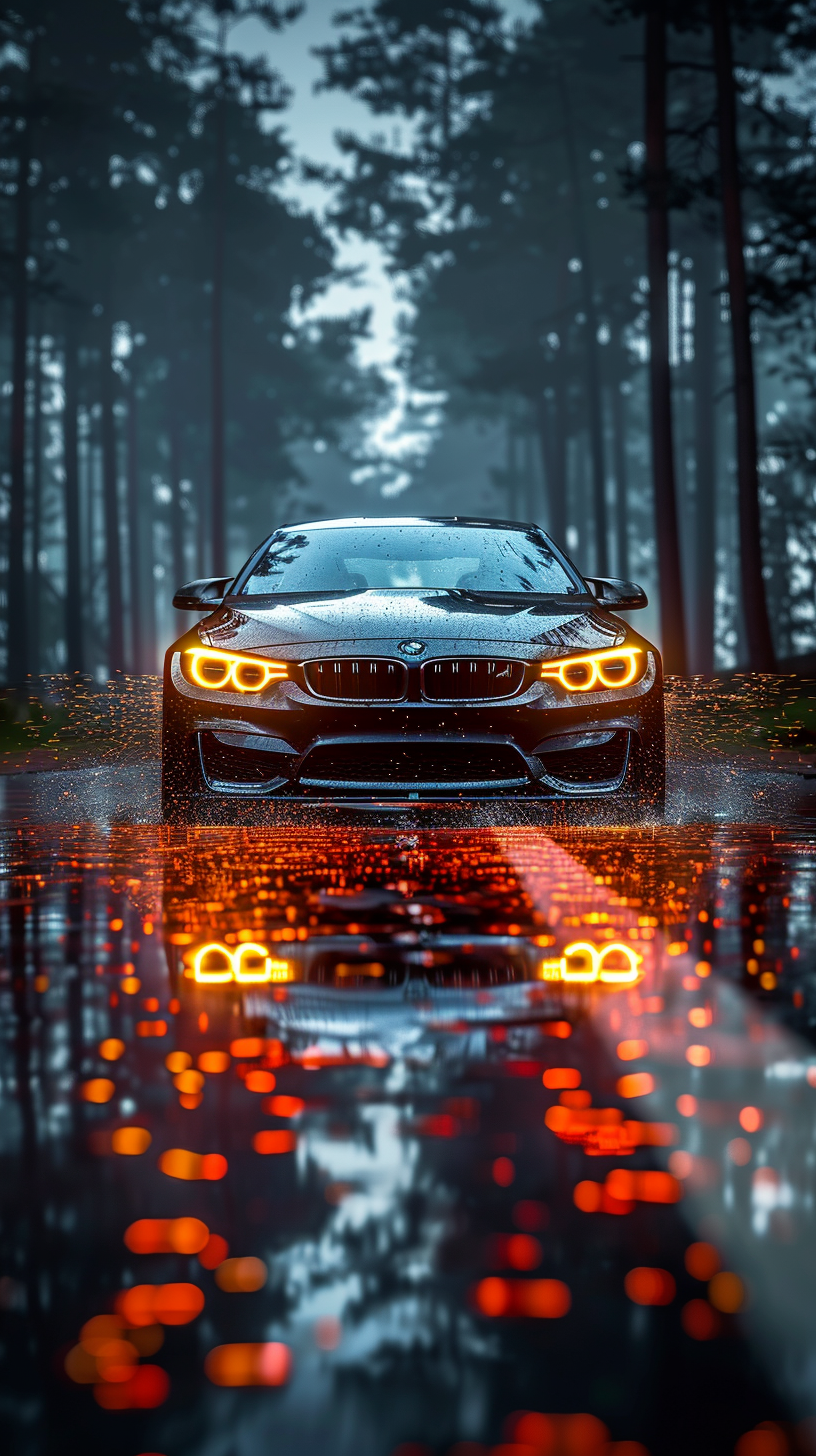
(207, 667)
(616, 667)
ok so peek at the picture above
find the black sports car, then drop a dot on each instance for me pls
(407, 659)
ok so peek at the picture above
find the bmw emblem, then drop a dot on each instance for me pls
(411, 649)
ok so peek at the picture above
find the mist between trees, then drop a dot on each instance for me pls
(600, 219)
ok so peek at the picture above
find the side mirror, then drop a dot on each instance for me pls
(202, 595)
(623, 596)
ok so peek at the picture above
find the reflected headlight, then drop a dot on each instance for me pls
(248, 964)
(209, 668)
(617, 667)
(584, 964)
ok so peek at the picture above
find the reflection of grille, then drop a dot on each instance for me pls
(357, 678)
(451, 678)
(229, 764)
(467, 976)
(387, 764)
(589, 767)
(354, 972)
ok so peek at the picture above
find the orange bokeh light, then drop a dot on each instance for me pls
(698, 1056)
(629, 1051)
(259, 1081)
(214, 1062)
(163, 1304)
(241, 1276)
(176, 1062)
(167, 1236)
(699, 1320)
(504, 1172)
(111, 1049)
(261, 1364)
(751, 1119)
(190, 1081)
(635, 1084)
(215, 1251)
(147, 1388)
(726, 1292)
(285, 1106)
(766, 1440)
(557, 1077)
(247, 1046)
(98, 1089)
(131, 1141)
(702, 1261)
(560, 1435)
(700, 1017)
(274, 1140)
(650, 1286)
(190, 1167)
(523, 1298)
(643, 1185)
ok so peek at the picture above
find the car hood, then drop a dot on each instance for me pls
(377, 621)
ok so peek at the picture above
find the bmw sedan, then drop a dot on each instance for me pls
(410, 659)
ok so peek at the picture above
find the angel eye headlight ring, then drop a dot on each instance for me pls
(248, 964)
(207, 667)
(585, 964)
(616, 667)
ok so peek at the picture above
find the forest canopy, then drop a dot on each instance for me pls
(597, 218)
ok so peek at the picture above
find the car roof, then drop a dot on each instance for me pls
(410, 521)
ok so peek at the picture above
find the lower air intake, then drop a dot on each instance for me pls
(413, 765)
(595, 766)
(227, 764)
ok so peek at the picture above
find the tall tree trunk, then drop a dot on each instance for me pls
(149, 644)
(705, 471)
(36, 507)
(621, 482)
(218, 551)
(511, 475)
(176, 511)
(552, 436)
(17, 635)
(593, 363)
(110, 495)
(672, 620)
(73, 553)
(134, 529)
(754, 604)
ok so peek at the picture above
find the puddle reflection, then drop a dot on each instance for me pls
(364, 1141)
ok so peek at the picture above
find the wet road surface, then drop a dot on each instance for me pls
(365, 1138)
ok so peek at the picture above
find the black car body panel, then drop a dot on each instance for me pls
(408, 694)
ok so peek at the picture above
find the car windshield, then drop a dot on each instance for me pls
(355, 557)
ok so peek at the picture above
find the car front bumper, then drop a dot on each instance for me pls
(540, 744)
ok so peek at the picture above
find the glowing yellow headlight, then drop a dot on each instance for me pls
(617, 667)
(209, 668)
(584, 964)
(249, 964)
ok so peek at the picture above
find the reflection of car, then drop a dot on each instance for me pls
(410, 659)
(380, 958)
